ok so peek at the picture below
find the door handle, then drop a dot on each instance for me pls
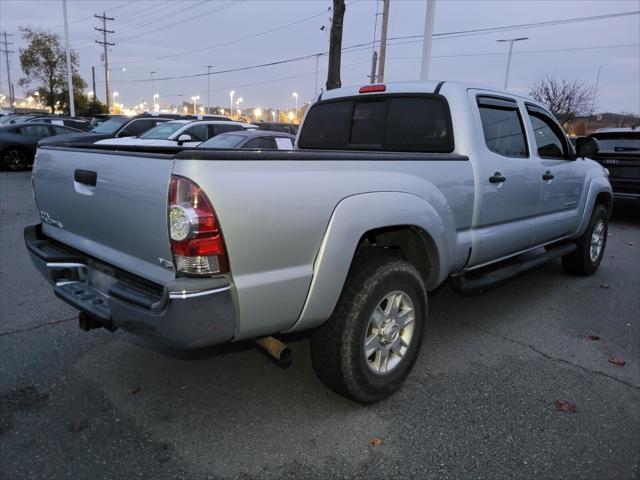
(548, 175)
(86, 177)
(497, 178)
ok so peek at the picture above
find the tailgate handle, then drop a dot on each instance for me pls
(86, 177)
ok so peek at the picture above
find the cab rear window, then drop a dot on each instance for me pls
(388, 123)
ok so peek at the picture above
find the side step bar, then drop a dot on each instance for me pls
(492, 275)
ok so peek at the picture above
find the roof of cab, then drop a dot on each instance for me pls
(419, 86)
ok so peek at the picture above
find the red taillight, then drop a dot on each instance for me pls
(379, 87)
(196, 239)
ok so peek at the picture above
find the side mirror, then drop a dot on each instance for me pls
(587, 147)
(185, 137)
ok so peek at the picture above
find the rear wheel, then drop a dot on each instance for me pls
(16, 159)
(369, 344)
(587, 257)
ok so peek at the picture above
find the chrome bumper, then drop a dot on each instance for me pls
(186, 313)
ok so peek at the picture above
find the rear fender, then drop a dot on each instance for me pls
(351, 219)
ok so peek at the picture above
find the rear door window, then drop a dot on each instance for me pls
(35, 131)
(502, 127)
(390, 123)
(217, 129)
(199, 133)
(264, 143)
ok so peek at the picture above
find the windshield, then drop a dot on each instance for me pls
(111, 125)
(162, 132)
(223, 141)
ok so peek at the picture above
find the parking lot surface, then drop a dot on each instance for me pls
(480, 403)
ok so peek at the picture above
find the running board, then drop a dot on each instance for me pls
(486, 277)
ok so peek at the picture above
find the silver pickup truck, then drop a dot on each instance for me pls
(391, 190)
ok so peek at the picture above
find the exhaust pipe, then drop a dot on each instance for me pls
(277, 350)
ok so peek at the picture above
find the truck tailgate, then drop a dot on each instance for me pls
(111, 205)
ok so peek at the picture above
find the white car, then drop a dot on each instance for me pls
(188, 133)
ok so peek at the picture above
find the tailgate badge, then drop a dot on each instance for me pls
(46, 218)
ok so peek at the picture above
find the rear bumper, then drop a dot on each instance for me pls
(186, 313)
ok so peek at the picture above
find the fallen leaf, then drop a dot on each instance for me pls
(133, 390)
(617, 361)
(604, 285)
(375, 442)
(593, 337)
(565, 406)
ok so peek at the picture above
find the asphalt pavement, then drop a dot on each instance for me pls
(480, 403)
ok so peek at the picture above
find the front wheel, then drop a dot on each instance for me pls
(369, 344)
(587, 257)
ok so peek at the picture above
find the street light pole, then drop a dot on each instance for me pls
(231, 94)
(72, 107)
(208, 89)
(295, 95)
(511, 42)
(195, 100)
(152, 89)
(427, 41)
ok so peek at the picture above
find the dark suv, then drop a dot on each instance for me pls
(115, 126)
(620, 154)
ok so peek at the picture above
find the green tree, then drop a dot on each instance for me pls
(43, 62)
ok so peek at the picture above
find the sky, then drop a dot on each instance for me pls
(177, 38)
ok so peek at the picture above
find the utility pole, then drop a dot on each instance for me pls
(427, 41)
(93, 82)
(511, 42)
(72, 107)
(593, 101)
(383, 40)
(105, 44)
(374, 62)
(6, 52)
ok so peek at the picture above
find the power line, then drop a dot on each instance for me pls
(224, 44)
(364, 47)
(163, 28)
(454, 34)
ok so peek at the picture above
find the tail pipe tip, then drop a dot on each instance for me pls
(277, 350)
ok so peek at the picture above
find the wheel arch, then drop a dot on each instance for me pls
(599, 193)
(400, 222)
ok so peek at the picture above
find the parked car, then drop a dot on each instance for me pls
(188, 133)
(78, 124)
(114, 127)
(18, 142)
(248, 139)
(345, 235)
(290, 128)
(620, 154)
(14, 118)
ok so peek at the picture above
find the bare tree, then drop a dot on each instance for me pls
(565, 98)
(335, 45)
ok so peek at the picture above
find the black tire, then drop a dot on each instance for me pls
(16, 159)
(337, 347)
(581, 262)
